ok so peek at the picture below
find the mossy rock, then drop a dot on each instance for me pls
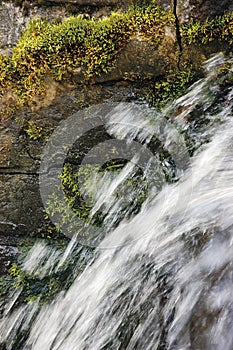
(58, 49)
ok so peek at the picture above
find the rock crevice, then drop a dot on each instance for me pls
(177, 24)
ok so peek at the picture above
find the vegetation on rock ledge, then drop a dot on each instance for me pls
(90, 47)
(78, 44)
(218, 29)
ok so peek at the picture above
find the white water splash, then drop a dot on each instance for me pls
(171, 285)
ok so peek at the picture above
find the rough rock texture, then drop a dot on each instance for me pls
(166, 4)
(19, 195)
(140, 59)
(88, 2)
(20, 155)
(201, 9)
(7, 256)
(14, 19)
(21, 207)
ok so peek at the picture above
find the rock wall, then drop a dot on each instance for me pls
(21, 208)
(201, 9)
(14, 19)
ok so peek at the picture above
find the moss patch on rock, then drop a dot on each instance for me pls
(90, 47)
(218, 29)
(77, 44)
(199, 41)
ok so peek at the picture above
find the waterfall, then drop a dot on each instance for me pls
(161, 279)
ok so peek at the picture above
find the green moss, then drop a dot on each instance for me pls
(218, 29)
(170, 87)
(33, 285)
(33, 131)
(81, 183)
(41, 288)
(91, 46)
(57, 49)
(194, 35)
(71, 177)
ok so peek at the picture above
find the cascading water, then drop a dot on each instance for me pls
(165, 281)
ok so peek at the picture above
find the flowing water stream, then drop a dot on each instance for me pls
(163, 278)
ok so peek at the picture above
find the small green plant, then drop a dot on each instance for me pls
(219, 29)
(170, 87)
(33, 131)
(45, 287)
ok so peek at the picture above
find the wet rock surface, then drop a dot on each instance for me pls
(7, 256)
(139, 59)
(20, 200)
(21, 206)
(200, 10)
